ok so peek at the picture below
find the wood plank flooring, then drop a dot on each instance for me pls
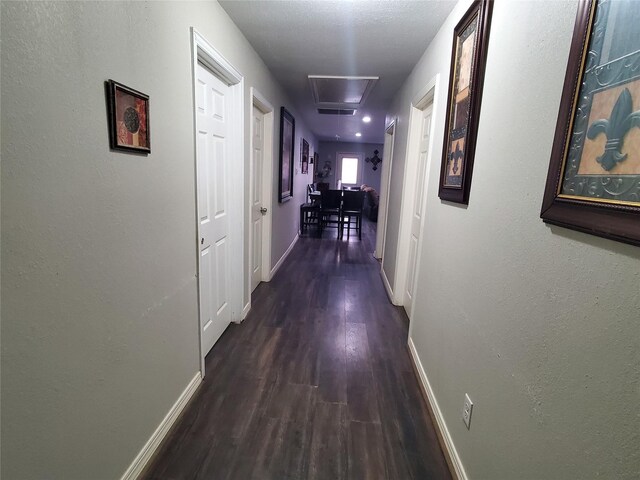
(316, 383)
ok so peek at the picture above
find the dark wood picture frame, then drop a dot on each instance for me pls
(468, 60)
(128, 118)
(304, 157)
(585, 190)
(287, 135)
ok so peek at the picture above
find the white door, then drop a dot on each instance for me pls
(257, 211)
(385, 179)
(417, 208)
(212, 118)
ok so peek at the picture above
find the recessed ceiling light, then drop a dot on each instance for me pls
(366, 119)
(358, 134)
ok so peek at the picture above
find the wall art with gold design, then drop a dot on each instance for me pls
(593, 183)
(468, 58)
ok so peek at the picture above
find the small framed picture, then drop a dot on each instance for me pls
(128, 118)
(287, 134)
(304, 157)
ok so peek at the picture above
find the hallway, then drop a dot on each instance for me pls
(315, 383)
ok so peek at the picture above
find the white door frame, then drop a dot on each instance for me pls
(427, 95)
(385, 181)
(206, 54)
(261, 103)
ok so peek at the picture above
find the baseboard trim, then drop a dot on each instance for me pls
(387, 286)
(284, 256)
(147, 452)
(446, 442)
(245, 311)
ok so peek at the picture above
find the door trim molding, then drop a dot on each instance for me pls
(261, 103)
(425, 96)
(202, 51)
(381, 230)
(146, 453)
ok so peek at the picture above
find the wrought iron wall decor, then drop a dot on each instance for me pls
(468, 59)
(593, 183)
(375, 160)
(287, 134)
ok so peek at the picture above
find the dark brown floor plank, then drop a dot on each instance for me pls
(315, 383)
(366, 452)
(329, 442)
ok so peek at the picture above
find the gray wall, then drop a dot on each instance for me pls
(539, 325)
(328, 150)
(99, 304)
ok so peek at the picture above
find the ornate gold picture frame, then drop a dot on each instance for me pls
(593, 183)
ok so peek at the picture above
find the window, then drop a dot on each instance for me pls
(349, 168)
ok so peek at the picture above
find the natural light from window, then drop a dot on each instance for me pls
(350, 170)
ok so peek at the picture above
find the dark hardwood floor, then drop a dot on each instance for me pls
(316, 383)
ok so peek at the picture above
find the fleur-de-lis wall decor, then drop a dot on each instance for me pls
(375, 160)
(456, 157)
(622, 120)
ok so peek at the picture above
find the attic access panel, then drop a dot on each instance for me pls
(340, 91)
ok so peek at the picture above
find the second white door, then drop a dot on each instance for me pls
(257, 209)
(417, 208)
(212, 119)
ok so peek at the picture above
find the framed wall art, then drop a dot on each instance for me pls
(304, 157)
(593, 184)
(287, 134)
(468, 59)
(128, 118)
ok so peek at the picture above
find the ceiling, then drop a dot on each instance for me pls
(298, 38)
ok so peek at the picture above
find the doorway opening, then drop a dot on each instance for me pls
(414, 195)
(218, 118)
(385, 179)
(349, 169)
(261, 190)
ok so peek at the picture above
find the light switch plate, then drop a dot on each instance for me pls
(466, 411)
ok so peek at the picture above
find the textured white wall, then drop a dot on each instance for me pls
(99, 307)
(540, 325)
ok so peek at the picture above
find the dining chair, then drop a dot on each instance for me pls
(330, 210)
(352, 205)
(309, 211)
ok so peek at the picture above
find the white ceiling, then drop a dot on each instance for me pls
(297, 38)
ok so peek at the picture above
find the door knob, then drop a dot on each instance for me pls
(263, 211)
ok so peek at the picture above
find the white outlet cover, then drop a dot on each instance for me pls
(466, 411)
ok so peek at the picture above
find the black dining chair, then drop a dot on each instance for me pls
(352, 205)
(309, 211)
(330, 209)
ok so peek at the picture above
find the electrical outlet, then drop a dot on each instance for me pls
(466, 411)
